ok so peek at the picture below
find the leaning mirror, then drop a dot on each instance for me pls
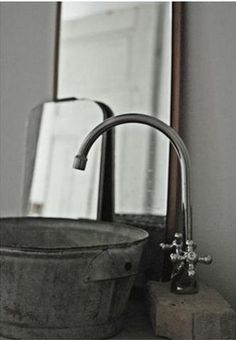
(120, 54)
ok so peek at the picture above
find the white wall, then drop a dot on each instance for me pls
(209, 124)
(27, 33)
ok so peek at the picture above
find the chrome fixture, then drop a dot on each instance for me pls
(183, 255)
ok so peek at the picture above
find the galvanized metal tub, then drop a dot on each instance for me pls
(65, 279)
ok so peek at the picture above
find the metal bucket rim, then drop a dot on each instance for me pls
(17, 250)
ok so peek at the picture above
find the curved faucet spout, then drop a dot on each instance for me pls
(171, 134)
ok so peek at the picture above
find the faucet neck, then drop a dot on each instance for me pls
(169, 132)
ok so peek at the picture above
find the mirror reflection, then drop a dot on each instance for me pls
(120, 54)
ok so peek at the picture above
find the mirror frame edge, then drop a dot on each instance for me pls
(177, 20)
(174, 174)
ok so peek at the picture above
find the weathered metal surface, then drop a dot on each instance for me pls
(65, 279)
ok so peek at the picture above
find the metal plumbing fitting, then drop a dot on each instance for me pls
(185, 258)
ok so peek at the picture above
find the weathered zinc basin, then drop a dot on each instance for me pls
(65, 279)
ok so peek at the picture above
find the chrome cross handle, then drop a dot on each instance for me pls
(188, 256)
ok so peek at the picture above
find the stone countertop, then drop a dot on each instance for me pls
(205, 315)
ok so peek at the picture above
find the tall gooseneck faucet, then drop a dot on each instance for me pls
(185, 258)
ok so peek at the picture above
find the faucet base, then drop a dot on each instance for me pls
(182, 283)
